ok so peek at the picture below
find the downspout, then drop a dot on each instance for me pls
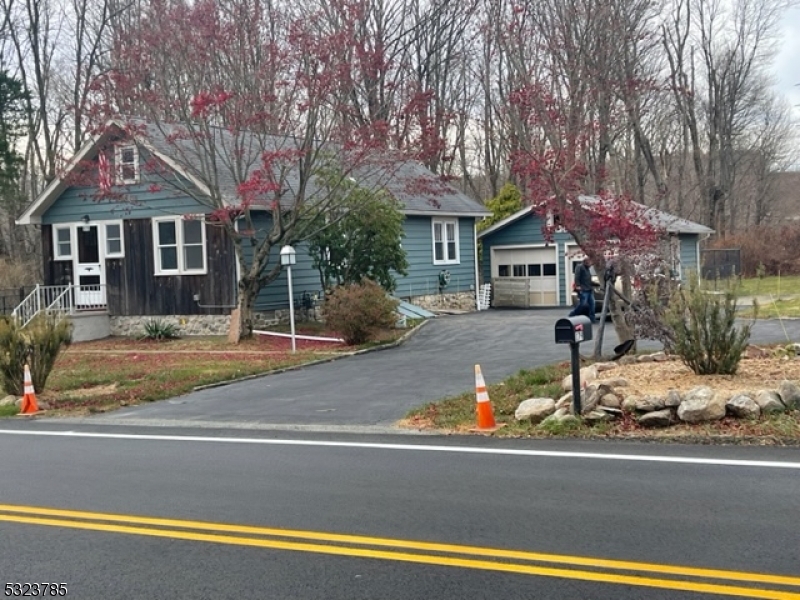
(700, 238)
(475, 253)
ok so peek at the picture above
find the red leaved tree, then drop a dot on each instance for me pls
(555, 175)
(567, 112)
(251, 100)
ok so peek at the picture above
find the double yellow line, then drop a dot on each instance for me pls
(671, 577)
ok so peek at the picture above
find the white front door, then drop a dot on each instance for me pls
(89, 272)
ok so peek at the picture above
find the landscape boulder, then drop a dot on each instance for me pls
(769, 401)
(8, 401)
(588, 375)
(743, 406)
(649, 404)
(701, 403)
(611, 401)
(657, 418)
(630, 402)
(595, 416)
(591, 396)
(790, 394)
(673, 399)
(535, 409)
(565, 401)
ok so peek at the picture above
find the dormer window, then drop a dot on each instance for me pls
(127, 163)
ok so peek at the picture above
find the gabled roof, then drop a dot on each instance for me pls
(419, 191)
(658, 219)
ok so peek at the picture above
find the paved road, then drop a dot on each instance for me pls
(378, 388)
(574, 511)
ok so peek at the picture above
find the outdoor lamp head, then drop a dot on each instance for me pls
(288, 256)
(85, 219)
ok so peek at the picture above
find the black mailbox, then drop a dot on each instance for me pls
(573, 330)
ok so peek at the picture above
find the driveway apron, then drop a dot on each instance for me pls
(378, 388)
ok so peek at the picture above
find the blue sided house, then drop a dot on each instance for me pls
(154, 251)
(528, 270)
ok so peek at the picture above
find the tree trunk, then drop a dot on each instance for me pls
(243, 315)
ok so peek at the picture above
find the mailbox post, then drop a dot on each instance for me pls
(573, 331)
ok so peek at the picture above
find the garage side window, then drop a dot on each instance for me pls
(445, 242)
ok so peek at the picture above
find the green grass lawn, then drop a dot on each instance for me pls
(777, 309)
(779, 297)
(776, 286)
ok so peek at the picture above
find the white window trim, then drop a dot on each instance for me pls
(181, 270)
(104, 239)
(56, 255)
(550, 222)
(118, 179)
(444, 223)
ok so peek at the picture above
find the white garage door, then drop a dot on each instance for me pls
(525, 277)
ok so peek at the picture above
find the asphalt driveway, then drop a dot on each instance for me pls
(378, 388)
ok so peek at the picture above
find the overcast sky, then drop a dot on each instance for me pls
(787, 63)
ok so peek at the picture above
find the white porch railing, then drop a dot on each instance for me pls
(60, 300)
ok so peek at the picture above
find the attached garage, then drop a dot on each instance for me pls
(524, 276)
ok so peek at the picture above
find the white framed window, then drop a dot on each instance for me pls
(62, 242)
(554, 221)
(114, 244)
(445, 242)
(126, 160)
(179, 246)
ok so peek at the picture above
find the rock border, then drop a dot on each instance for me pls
(606, 398)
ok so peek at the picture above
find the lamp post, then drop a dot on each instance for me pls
(288, 258)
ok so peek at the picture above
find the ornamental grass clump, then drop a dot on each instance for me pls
(358, 311)
(704, 324)
(38, 343)
(158, 330)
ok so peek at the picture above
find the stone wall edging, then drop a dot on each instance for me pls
(601, 400)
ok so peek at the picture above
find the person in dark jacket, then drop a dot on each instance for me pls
(583, 281)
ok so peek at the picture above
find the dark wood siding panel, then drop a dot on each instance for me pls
(133, 289)
(56, 272)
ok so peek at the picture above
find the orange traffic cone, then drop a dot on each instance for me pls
(486, 420)
(29, 406)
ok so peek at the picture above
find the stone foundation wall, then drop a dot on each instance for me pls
(461, 301)
(186, 324)
(189, 325)
(264, 320)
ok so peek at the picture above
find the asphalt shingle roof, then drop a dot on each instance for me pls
(417, 189)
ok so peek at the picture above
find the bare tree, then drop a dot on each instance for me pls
(718, 53)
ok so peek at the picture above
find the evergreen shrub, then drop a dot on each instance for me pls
(705, 333)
